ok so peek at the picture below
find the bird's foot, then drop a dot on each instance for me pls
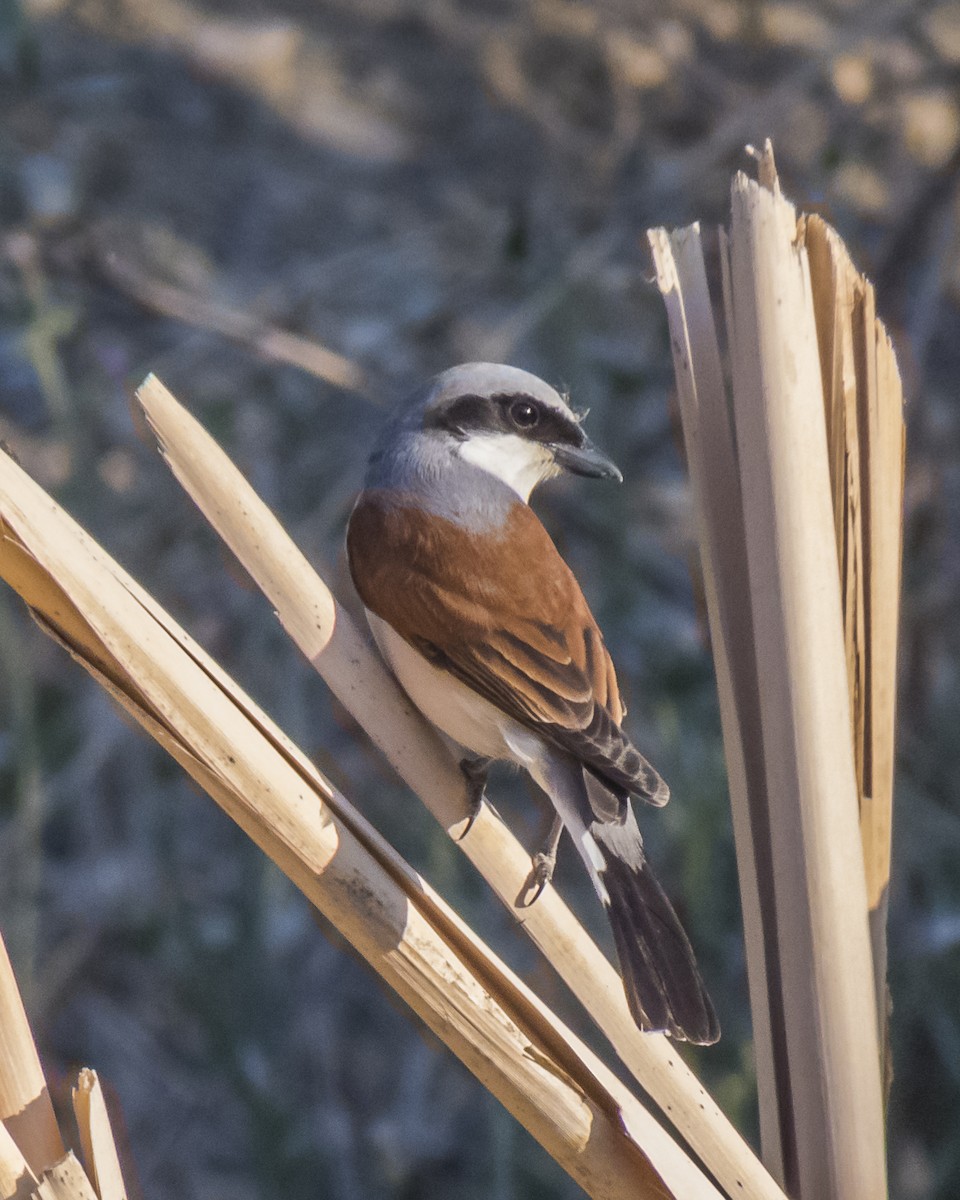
(543, 864)
(541, 873)
(475, 771)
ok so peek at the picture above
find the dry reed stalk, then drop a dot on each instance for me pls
(866, 434)
(96, 1137)
(712, 464)
(552, 1083)
(791, 685)
(356, 675)
(33, 1162)
(65, 1180)
(25, 1108)
(829, 1010)
(15, 1174)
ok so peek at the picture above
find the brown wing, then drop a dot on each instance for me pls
(504, 614)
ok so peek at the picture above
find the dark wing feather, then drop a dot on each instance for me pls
(504, 614)
(582, 728)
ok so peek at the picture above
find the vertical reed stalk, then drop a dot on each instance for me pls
(798, 486)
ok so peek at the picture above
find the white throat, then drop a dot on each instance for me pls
(520, 464)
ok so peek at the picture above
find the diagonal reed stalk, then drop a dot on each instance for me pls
(544, 1075)
(356, 675)
(798, 488)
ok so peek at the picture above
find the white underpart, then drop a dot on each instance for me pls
(482, 729)
(519, 463)
(456, 710)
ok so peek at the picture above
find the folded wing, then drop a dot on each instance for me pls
(504, 614)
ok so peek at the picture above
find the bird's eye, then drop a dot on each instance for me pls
(524, 415)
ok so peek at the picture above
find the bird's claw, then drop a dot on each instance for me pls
(542, 866)
(541, 873)
(475, 771)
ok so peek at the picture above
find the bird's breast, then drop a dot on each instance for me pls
(455, 709)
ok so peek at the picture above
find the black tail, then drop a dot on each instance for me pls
(660, 976)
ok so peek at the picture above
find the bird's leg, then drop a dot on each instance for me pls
(475, 771)
(545, 860)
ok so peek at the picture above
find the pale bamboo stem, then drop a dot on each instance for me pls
(866, 435)
(357, 676)
(96, 1137)
(25, 1107)
(16, 1178)
(569, 1101)
(65, 1180)
(711, 460)
(829, 1012)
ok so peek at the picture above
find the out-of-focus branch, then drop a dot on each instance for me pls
(124, 271)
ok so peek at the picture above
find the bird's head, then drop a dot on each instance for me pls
(510, 424)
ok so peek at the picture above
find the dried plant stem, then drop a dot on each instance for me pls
(356, 675)
(25, 1108)
(66, 1180)
(96, 1137)
(33, 1162)
(811, 785)
(712, 463)
(578, 1110)
(866, 435)
(15, 1174)
(795, 653)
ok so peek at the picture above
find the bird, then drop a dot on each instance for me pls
(488, 633)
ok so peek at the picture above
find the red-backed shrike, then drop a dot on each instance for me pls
(487, 631)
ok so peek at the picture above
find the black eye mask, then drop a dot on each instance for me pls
(515, 413)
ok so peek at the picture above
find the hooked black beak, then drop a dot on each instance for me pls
(585, 460)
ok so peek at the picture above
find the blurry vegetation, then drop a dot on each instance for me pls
(412, 185)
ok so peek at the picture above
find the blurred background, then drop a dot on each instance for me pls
(410, 185)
